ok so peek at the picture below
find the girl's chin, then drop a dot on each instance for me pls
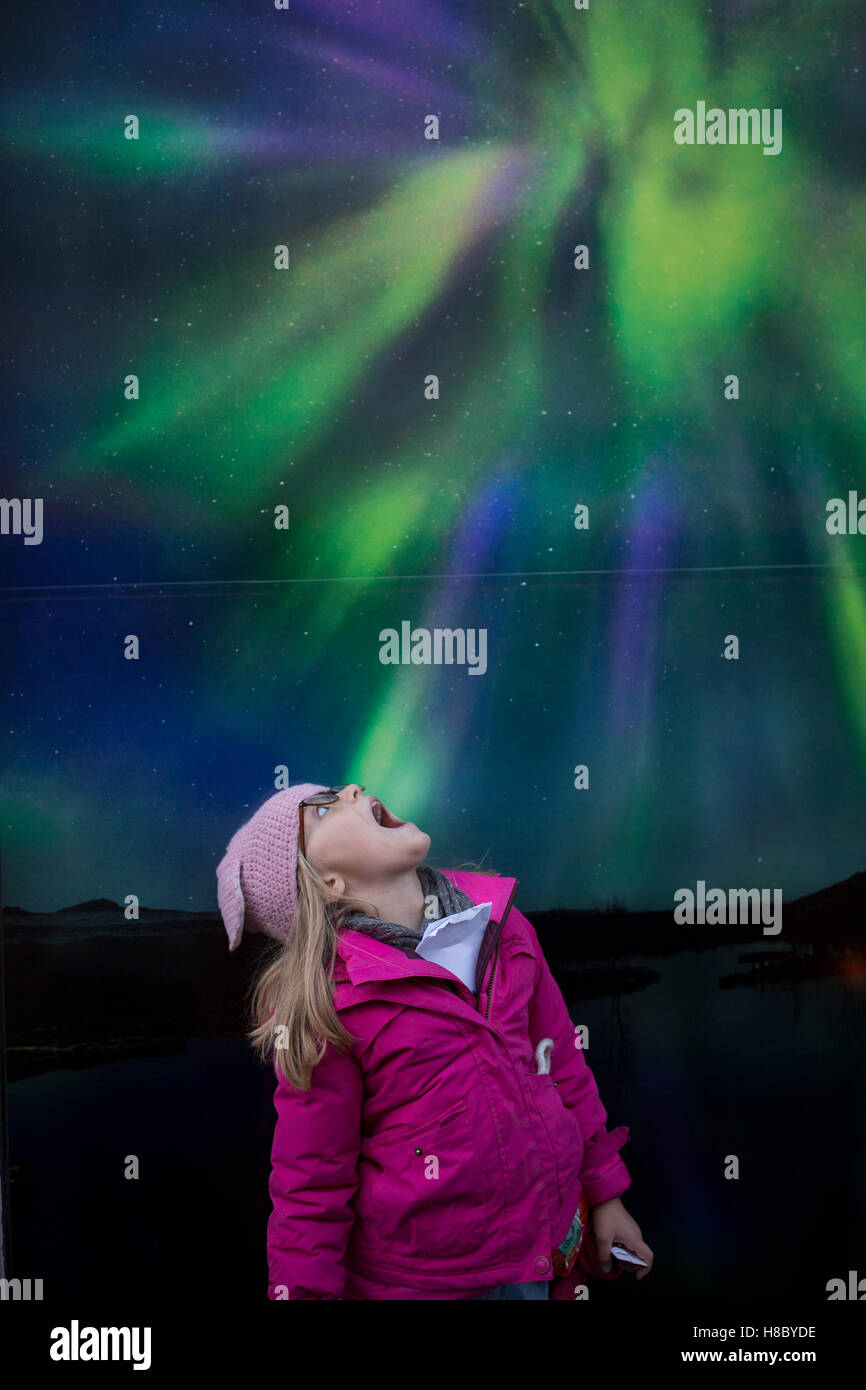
(420, 837)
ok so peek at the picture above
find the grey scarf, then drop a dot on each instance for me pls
(450, 899)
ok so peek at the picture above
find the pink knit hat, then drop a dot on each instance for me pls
(257, 883)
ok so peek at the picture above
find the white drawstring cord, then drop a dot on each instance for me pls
(542, 1055)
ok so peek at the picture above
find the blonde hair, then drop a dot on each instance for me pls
(293, 991)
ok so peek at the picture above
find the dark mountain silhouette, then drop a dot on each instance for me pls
(94, 905)
(105, 905)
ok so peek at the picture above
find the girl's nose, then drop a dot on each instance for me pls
(352, 791)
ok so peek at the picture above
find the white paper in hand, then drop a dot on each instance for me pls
(625, 1255)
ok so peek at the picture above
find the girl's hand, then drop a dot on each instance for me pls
(611, 1222)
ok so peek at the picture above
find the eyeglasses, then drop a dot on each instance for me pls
(320, 799)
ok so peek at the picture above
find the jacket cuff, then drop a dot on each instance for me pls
(602, 1145)
(603, 1174)
(615, 1180)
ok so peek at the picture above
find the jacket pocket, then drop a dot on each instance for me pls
(428, 1192)
(561, 1127)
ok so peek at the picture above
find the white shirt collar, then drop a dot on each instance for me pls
(454, 942)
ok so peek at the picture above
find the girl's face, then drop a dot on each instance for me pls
(358, 840)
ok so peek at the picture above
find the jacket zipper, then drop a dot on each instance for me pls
(503, 919)
(492, 977)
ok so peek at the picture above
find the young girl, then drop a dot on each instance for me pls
(439, 1134)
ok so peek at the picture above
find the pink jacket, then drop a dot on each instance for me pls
(431, 1160)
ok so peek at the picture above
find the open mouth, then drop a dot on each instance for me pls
(382, 816)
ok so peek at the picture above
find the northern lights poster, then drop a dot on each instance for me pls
(336, 327)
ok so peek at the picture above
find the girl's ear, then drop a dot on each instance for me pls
(336, 884)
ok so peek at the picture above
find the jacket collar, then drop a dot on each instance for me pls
(366, 958)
